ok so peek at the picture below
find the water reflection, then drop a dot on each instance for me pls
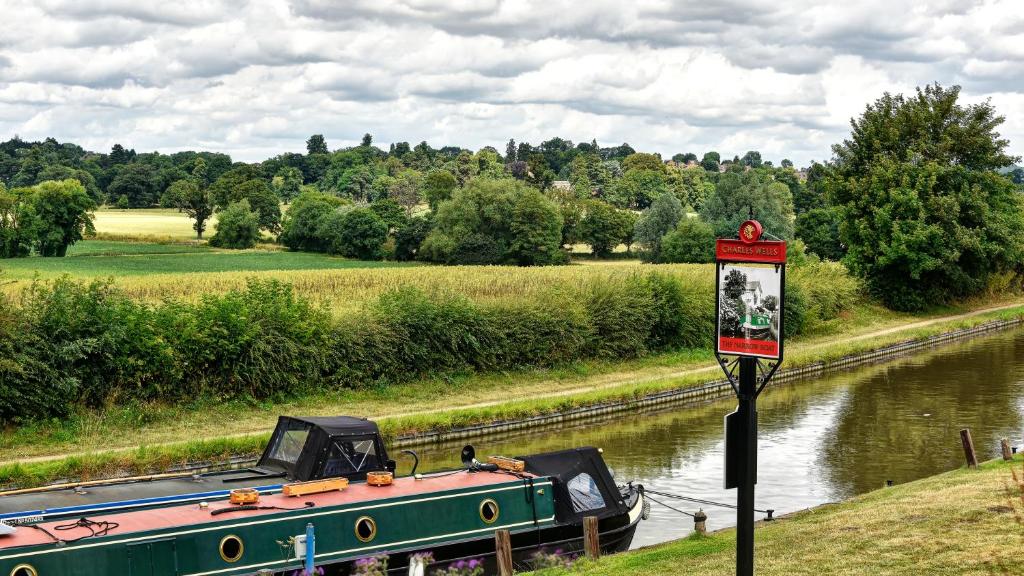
(820, 441)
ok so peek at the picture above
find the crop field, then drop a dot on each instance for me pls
(152, 223)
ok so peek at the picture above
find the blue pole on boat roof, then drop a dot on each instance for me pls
(310, 549)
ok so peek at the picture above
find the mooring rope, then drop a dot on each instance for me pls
(769, 511)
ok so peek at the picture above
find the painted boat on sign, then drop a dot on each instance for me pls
(188, 527)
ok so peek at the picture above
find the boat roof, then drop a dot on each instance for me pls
(338, 425)
(191, 514)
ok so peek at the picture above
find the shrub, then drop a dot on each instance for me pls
(794, 310)
(409, 237)
(361, 234)
(506, 220)
(693, 241)
(259, 342)
(31, 387)
(237, 227)
(302, 221)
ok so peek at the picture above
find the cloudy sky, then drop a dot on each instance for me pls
(257, 78)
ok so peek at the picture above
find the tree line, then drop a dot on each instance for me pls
(923, 189)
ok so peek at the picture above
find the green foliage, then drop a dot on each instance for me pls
(638, 188)
(409, 237)
(316, 144)
(692, 241)
(354, 233)
(390, 212)
(663, 215)
(710, 161)
(137, 184)
(737, 194)
(31, 387)
(61, 214)
(535, 232)
(819, 229)
(643, 161)
(603, 227)
(438, 186)
(193, 200)
(496, 221)
(17, 224)
(287, 183)
(237, 227)
(302, 221)
(927, 217)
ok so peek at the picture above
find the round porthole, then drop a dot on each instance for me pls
(489, 511)
(24, 570)
(231, 548)
(366, 529)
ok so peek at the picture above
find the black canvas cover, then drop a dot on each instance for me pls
(583, 485)
(322, 447)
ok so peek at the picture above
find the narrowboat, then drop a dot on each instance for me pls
(331, 476)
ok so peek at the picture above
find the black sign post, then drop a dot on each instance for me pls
(749, 323)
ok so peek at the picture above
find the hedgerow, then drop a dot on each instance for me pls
(66, 344)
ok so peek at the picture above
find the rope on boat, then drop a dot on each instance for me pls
(101, 528)
(769, 511)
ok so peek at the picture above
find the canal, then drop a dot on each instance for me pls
(821, 440)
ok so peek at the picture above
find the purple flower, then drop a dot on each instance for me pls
(474, 563)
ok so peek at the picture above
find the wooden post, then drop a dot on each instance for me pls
(700, 522)
(965, 439)
(1007, 452)
(503, 552)
(591, 538)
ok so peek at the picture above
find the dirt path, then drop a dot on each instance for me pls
(596, 383)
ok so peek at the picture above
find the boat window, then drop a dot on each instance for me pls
(24, 570)
(585, 494)
(231, 548)
(289, 441)
(489, 511)
(350, 455)
(366, 529)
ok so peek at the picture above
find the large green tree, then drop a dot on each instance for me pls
(656, 221)
(495, 222)
(603, 227)
(737, 194)
(927, 216)
(194, 200)
(62, 213)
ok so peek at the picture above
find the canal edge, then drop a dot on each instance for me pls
(698, 394)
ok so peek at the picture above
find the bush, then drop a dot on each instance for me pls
(505, 219)
(300, 230)
(31, 388)
(361, 234)
(258, 343)
(237, 227)
(692, 242)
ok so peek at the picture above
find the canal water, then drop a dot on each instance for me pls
(820, 440)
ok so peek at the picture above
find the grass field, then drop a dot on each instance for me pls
(179, 264)
(965, 522)
(152, 223)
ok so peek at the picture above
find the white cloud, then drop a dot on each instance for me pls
(256, 78)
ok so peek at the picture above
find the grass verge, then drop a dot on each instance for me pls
(963, 522)
(107, 443)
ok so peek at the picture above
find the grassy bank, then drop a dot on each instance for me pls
(963, 522)
(240, 428)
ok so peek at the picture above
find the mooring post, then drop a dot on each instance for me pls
(747, 467)
(310, 549)
(700, 522)
(965, 439)
(503, 552)
(1007, 451)
(591, 538)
